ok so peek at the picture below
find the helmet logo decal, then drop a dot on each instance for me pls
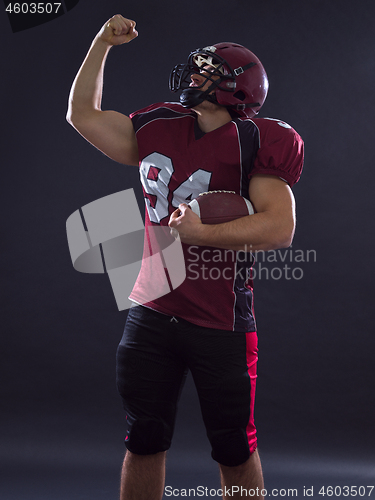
(209, 48)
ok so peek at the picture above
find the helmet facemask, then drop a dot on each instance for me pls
(214, 69)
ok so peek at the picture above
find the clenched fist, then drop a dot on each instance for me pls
(118, 30)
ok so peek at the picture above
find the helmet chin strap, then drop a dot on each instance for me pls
(191, 97)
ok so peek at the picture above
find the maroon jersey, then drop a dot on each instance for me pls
(177, 163)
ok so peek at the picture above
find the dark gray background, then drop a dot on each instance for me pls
(61, 419)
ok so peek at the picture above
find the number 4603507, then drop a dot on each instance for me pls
(33, 8)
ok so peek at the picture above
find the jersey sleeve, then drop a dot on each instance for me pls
(281, 150)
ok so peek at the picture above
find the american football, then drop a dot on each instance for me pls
(215, 207)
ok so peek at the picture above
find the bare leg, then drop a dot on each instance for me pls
(248, 476)
(143, 477)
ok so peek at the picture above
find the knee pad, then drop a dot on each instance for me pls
(147, 436)
(230, 447)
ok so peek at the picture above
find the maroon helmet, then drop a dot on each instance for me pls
(238, 78)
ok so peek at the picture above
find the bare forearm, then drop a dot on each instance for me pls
(86, 92)
(262, 231)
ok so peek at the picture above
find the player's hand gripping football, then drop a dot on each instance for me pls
(118, 30)
(188, 225)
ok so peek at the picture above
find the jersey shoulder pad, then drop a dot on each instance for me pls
(273, 128)
(281, 150)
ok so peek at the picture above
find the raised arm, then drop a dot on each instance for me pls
(109, 131)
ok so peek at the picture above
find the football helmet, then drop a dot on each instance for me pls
(238, 78)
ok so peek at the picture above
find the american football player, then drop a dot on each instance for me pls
(211, 139)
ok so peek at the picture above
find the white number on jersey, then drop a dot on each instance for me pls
(156, 171)
(197, 183)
